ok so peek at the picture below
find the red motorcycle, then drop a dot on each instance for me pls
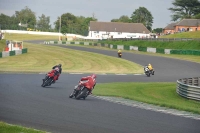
(50, 77)
(82, 90)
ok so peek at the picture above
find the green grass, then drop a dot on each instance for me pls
(7, 128)
(41, 58)
(186, 45)
(161, 94)
(193, 34)
(22, 37)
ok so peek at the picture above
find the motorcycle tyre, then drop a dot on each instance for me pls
(81, 94)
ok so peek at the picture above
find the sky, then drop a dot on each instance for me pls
(103, 10)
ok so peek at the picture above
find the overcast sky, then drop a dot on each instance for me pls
(104, 10)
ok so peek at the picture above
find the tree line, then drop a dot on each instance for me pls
(69, 23)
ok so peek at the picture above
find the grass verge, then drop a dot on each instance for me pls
(41, 58)
(161, 94)
(8, 128)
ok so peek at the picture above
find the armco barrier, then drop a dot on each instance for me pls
(189, 88)
(137, 48)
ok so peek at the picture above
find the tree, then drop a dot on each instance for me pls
(197, 16)
(44, 23)
(7, 22)
(184, 9)
(67, 21)
(73, 24)
(158, 30)
(123, 18)
(26, 16)
(142, 15)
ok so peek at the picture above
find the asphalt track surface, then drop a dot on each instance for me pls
(23, 101)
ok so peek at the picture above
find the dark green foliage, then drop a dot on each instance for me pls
(184, 9)
(142, 15)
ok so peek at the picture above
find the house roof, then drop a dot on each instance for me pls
(189, 22)
(118, 27)
(170, 26)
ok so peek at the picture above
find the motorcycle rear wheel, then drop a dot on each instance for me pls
(82, 94)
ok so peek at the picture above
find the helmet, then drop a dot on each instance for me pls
(149, 65)
(93, 76)
(60, 65)
(57, 69)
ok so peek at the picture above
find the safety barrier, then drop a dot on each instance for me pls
(125, 47)
(189, 88)
(12, 53)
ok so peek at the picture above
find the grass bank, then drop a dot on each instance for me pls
(22, 37)
(184, 45)
(7, 128)
(161, 94)
(193, 34)
(41, 58)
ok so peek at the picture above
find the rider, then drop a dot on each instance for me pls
(119, 52)
(59, 66)
(56, 67)
(91, 80)
(150, 68)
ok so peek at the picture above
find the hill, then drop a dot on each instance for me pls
(191, 34)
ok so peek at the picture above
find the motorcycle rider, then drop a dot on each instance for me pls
(150, 68)
(91, 80)
(119, 52)
(56, 67)
(59, 66)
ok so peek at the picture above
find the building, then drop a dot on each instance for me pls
(182, 26)
(105, 30)
(169, 29)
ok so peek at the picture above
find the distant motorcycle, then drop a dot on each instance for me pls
(148, 72)
(119, 55)
(80, 91)
(49, 78)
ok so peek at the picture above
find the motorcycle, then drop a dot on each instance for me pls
(119, 55)
(49, 78)
(148, 72)
(80, 91)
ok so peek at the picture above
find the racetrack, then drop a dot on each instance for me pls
(23, 101)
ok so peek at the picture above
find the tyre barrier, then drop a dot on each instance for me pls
(189, 88)
(126, 47)
(46, 42)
